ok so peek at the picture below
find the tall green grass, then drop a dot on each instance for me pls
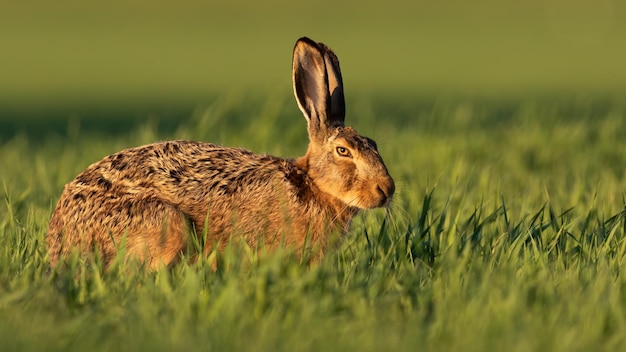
(507, 232)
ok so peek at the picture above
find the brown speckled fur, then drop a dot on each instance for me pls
(149, 197)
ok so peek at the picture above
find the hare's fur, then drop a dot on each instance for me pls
(150, 198)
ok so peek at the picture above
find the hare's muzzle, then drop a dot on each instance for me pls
(385, 189)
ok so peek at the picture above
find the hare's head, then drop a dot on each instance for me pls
(341, 162)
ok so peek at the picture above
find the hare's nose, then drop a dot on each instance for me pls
(386, 188)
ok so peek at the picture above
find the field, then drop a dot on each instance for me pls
(507, 231)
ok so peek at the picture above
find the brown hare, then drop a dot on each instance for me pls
(151, 198)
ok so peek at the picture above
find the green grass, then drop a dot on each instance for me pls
(508, 232)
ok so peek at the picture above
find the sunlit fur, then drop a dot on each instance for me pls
(150, 199)
(360, 180)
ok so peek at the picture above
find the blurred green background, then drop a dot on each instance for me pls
(131, 58)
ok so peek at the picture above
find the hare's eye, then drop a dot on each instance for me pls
(344, 152)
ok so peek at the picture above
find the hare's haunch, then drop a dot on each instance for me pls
(150, 198)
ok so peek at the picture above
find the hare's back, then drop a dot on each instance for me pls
(177, 169)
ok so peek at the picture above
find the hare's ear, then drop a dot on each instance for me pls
(337, 109)
(318, 86)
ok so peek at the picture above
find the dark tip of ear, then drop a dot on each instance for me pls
(307, 40)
